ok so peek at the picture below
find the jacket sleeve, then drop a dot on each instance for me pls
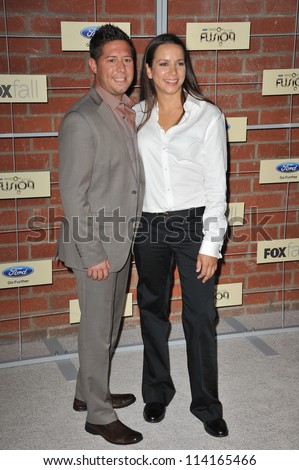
(76, 160)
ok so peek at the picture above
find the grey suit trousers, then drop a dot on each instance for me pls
(102, 305)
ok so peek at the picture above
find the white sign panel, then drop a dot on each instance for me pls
(275, 251)
(76, 35)
(23, 89)
(24, 184)
(218, 36)
(279, 171)
(25, 273)
(228, 294)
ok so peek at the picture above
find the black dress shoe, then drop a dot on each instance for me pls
(154, 412)
(216, 427)
(115, 432)
(118, 401)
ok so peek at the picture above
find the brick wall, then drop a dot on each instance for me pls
(30, 44)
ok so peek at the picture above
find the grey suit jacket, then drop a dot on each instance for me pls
(101, 186)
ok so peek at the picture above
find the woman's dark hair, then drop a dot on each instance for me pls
(105, 34)
(147, 90)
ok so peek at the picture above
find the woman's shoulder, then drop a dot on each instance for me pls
(205, 106)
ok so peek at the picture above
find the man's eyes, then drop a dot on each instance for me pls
(112, 60)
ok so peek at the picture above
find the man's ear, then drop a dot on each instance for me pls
(93, 65)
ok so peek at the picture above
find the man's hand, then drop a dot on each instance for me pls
(206, 266)
(100, 271)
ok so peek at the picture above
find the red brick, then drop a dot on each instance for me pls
(59, 65)
(268, 24)
(230, 64)
(254, 99)
(44, 144)
(265, 201)
(28, 6)
(225, 268)
(55, 105)
(34, 304)
(277, 150)
(28, 45)
(267, 135)
(81, 7)
(239, 185)
(8, 307)
(261, 298)
(237, 7)
(280, 7)
(128, 7)
(241, 151)
(275, 116)
(266, 62)
(16, 23)
(32, 124)
(46, 321)
(278, 45)
(6, 163)
(6, 125)
(257, 281)
(32, 162)
(292, 231)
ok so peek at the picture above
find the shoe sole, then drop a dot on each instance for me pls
(216, 435)
(79, 408)
(155, 420)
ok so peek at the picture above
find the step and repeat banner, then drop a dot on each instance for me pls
(212, 36)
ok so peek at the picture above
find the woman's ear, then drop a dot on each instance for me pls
(148, 71)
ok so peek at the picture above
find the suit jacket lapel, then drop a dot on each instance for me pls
(105, 112)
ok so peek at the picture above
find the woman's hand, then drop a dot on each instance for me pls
(206, 266)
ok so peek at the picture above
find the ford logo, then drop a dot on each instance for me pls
(89, 31)
(288, 167)
(17, 271)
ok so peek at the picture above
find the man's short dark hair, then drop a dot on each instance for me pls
(105, 34)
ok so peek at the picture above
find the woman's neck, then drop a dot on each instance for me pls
(169, 104)
(170, 111)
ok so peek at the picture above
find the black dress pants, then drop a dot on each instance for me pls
(162, 240)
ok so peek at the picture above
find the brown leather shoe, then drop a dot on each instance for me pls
(115, 432)
(118, 401)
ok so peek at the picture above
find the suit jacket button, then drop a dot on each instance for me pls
(134, 192)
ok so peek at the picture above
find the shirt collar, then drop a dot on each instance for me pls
(111, 100)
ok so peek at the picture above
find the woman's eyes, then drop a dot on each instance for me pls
(165, 64)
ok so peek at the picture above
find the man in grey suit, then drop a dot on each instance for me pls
(101, 183)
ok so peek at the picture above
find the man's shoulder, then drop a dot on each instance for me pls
(86, 102)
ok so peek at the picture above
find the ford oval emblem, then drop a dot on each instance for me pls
(89, 31)
(17, 271)
(288, 167)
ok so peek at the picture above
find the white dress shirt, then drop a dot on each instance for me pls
(185, 167)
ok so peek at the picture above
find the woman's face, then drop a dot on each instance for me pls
(168, 69)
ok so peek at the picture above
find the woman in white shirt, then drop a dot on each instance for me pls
(182, 143)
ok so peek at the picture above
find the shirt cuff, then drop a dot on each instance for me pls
(211, 249)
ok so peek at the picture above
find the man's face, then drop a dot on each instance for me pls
(114, 70)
